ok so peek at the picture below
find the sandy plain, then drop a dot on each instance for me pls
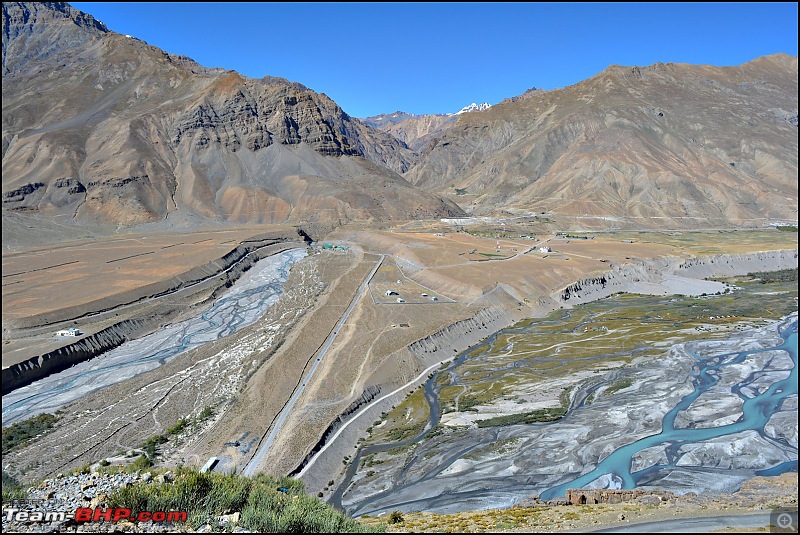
(44, 278)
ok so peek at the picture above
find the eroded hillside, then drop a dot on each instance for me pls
(103, 127)
(685, 145)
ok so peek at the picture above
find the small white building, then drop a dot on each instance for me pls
(72, 331)
(545, 249)
(391, 292)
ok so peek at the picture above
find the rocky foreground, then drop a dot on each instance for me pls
(69, 492)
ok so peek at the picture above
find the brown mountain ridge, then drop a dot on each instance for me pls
(684, 145)
(102, 127)
(416, 131)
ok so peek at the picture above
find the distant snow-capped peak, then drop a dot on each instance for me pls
(473, 107)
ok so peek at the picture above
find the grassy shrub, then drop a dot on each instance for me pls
(264, 508)
(261, 520)
(179, 426)
(12, 489)
(149, 446)
(229, 492)
(142, 463)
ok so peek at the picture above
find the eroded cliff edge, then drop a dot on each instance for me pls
(145, 310)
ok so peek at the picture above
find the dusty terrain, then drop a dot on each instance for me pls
(52, 286)
(247, 377)
(81, 272)
(758, 495)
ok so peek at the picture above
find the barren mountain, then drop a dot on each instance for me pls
(103, 127)
(685, 145)
(416, 131)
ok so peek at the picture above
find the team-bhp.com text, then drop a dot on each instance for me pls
(88, 514)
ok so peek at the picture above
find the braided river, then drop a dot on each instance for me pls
(245, 302)
(705, 416)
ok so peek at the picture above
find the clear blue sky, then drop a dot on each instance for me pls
(420, 58)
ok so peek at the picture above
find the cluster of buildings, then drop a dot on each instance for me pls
(390, 293)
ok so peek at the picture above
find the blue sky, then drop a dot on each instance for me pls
(420, 58)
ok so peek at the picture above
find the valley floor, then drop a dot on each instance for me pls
(247, 377)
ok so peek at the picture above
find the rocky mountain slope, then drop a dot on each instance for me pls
(416, 131)
(674, 144)
(103, 127)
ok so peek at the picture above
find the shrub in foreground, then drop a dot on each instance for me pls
(267, 504)
(12, 489)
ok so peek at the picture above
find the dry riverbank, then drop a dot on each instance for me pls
(758, 495)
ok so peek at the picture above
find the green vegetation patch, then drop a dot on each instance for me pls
(483, 390)
(205, 414)
(405, 421)
(619, 385)
(152, 443)
(179, 426)
(537, 416)
(266, 504)
(714, 242)
(767, 277)
(149, 446)
(21, 433)
(12, 489)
